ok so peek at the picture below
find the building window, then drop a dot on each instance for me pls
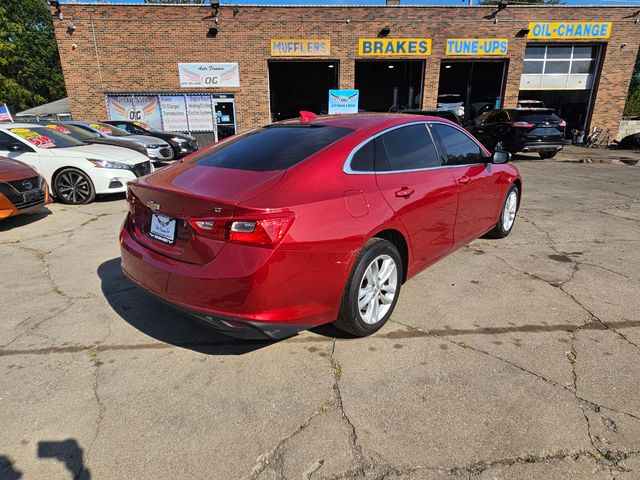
(558, 67)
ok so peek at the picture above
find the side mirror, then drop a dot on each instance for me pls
(500, 156)
(16, 147)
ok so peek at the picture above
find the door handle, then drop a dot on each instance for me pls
(405, 192)
(463, 180)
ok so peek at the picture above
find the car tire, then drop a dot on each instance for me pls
(507, 214)
(73, 187)
(377, 274)
(546, 155)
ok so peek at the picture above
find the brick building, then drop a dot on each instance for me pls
(175, 65)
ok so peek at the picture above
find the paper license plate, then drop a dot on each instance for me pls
(163, 228)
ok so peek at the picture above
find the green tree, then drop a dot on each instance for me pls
(30, 72)
(633, 99)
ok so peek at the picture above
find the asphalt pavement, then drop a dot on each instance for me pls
(510, 359)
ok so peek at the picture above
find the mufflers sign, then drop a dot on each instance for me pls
(394, 47)
(300, 48)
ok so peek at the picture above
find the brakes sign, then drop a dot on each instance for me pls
(40, 141)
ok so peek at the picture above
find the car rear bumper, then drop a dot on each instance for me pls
(277, 292)
(542, 147)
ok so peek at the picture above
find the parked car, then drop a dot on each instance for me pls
(76, 171)
(156, 149)
(22, 190)
(521, 130)
(303, 222)
(182, 144)
(88, 136)
(451, 102)
(448, 114)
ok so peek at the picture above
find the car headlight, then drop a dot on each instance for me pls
(179, 139)
(108, 164)
(153, 146)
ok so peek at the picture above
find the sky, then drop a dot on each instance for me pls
(369, 2)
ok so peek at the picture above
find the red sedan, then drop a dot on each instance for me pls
(311, 221)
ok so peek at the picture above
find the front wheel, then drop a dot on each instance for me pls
(507, 215)
(73, 187)
(546, 155)
(372, 290)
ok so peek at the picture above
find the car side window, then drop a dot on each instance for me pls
(406, 148)
(362, 160)
(459, 148)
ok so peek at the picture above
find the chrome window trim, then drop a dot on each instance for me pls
(346, 168)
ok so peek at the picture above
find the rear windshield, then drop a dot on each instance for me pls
(537, 117)
(276, 147)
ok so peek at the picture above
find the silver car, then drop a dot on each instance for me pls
(156, 149)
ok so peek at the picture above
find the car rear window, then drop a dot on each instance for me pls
(275, 147)
(537, 117)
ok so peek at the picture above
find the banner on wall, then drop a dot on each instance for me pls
(174, 112)
(200, 113)
(188, 112)
(343, 101)
(209, 74)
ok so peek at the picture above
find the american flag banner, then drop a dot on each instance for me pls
(5, 115)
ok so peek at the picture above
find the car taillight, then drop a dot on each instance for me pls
(522, 125)
(562, 124)
(267, 231)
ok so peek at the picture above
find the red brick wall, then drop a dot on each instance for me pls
(137, 48)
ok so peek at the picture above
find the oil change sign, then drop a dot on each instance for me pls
(300, 48)
(477, 46)
(569, 30)
(394, 47)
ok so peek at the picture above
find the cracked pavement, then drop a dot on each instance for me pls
(510, 359)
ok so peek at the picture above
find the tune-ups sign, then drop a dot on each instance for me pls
(343, 101)
(477, 46)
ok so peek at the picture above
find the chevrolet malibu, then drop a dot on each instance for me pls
(312, 221)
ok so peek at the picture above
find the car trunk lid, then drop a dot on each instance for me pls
(184, 192)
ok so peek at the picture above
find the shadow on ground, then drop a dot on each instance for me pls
(21, 220)
(68, 452)
(160, 321)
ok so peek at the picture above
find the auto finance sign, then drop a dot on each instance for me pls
(209, 74)
(343, 101)
(570, 30)
(471, 47)
(394, 47)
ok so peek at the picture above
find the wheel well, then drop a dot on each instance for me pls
(395, 237)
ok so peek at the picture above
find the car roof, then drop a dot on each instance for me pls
(9, 125)
(366, 121)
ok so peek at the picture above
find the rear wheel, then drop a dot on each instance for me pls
(73, 187)
(507, 215)
(372, 290)
(546, 155)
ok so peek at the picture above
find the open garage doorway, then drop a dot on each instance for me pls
(389, 85)
(477, 85)
(296, 86)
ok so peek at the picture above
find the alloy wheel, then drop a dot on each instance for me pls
(377, 289)
(73, 187)
(509, 214)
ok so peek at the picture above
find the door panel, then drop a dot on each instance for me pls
(423, 195)
(478, 189)
(426, 202)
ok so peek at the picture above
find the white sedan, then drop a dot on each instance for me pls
(76, 171)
